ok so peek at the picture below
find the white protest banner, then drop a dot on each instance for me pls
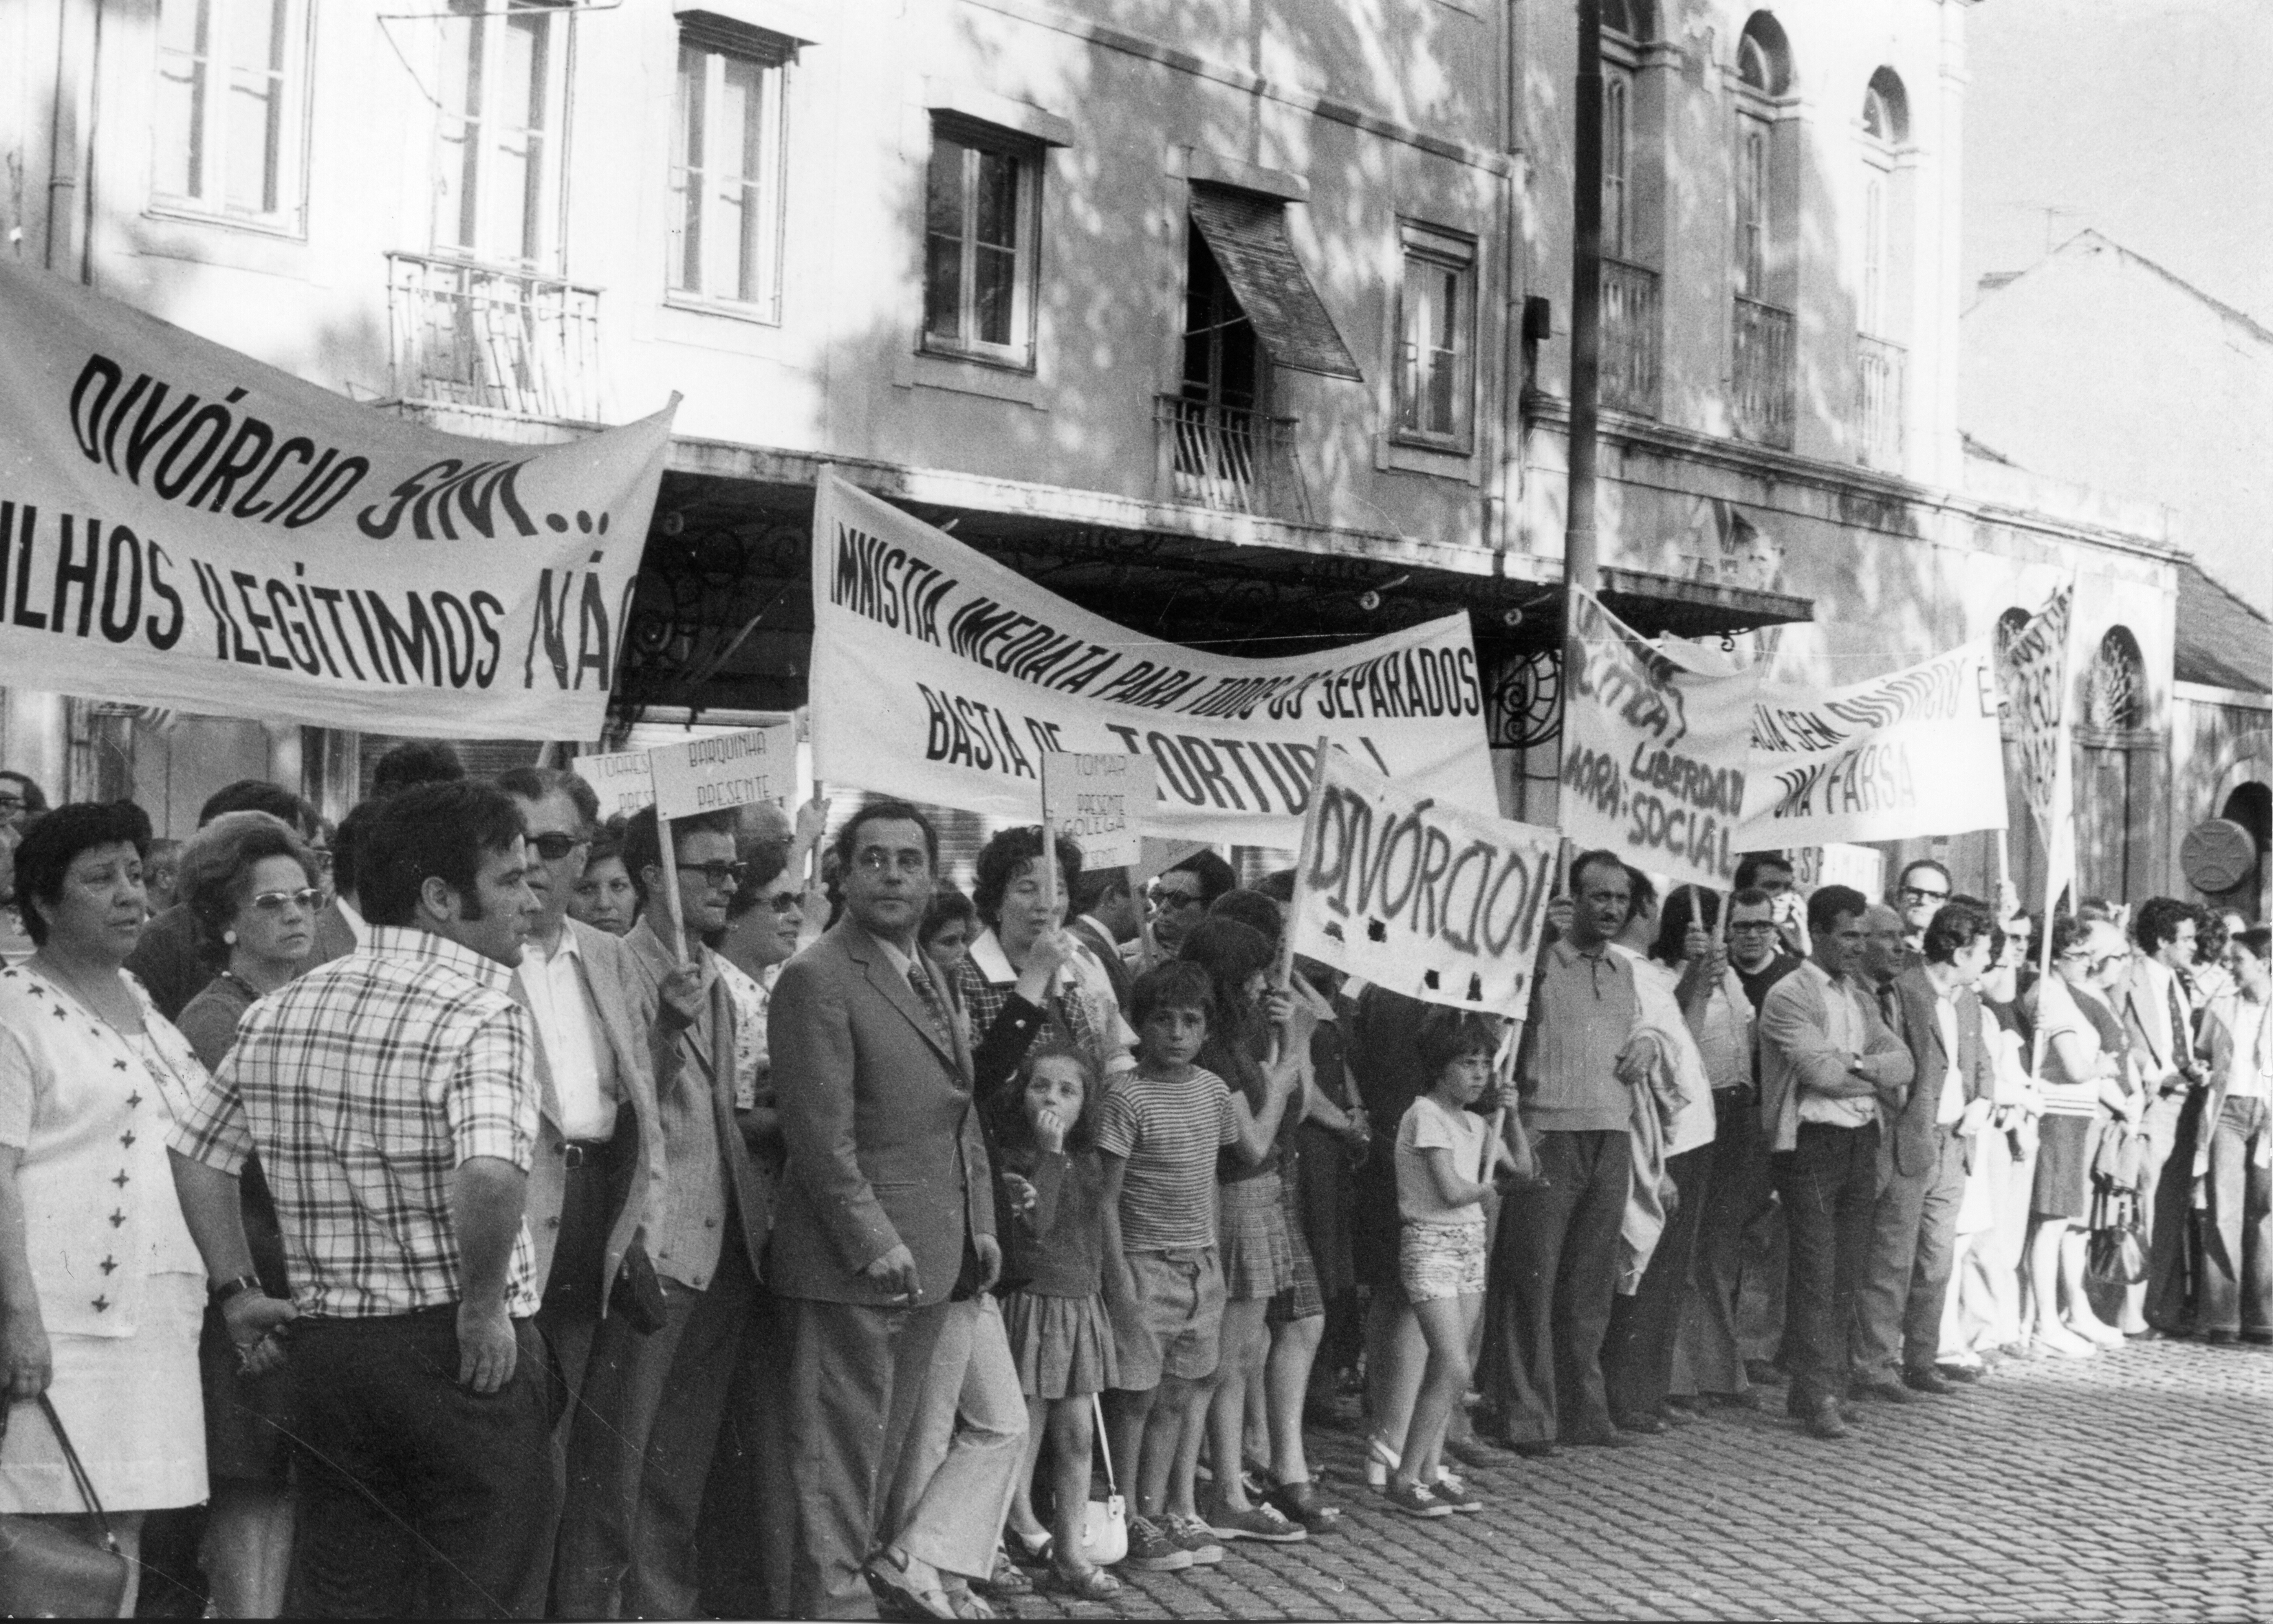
(1101, 804)
(1860, 867)
(182, 526)
(1912, 754)
(726, 769)
(1653, 752)
(622, 781)
(2033, 671)
(1433, 902)
(943, 676)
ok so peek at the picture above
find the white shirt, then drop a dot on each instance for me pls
(1842, 1027)
(2250, 1075)
(1952, 1103)
(2163, 984)
(583, 1067)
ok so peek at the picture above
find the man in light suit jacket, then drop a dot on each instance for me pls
(641, 1446)
(1925, 1147)
(886, 1212)
(1827, 1060)
(599, 1158)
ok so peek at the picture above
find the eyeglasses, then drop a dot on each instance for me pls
(553, 847)
(784, 902)
(12, 803)
(277, 901)
(721, 874)
(876, 860)
(321, 858)
(1752, 927)
(1166, 899)
(1913, 894)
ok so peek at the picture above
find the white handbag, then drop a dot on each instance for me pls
(1104, 1524)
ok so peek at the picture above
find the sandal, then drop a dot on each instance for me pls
(1035, 1553)
(1086, 1584)
(1007, 1579)
(899, 1596)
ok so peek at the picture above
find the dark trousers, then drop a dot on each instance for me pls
(1830, 1187)
(855, 1381)
(1547, 1304)
(2237, 1284)
(640, 1446)
(417, 1497)
(2174, 1257)
(1638, 1352)
(1913, 1252)
(747, 1537)
(1736, 1192)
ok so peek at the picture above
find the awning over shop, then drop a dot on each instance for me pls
(1247, 233)
(2223, 642)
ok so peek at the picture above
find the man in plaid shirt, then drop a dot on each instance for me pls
(393, 1098)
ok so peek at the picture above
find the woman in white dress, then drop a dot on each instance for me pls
(102, 1292)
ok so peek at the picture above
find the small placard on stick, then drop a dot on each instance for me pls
(1100, 803)
(725, 770)
(620, 780)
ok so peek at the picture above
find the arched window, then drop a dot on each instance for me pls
(1886, 108)
(1764, 55)
(2115, 688)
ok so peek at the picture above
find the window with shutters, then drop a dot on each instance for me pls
(729, 134)
(230, 123)
(1436, 340)
(982, 199)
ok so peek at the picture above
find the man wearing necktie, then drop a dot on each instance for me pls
(886, 1214)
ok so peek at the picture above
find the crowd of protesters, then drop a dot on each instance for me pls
(473, 1210)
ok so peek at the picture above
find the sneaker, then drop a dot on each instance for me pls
(1451, 1489)
(1194, 1538)
(1261, 1520)
(1416, 1502)
(1154, 1549)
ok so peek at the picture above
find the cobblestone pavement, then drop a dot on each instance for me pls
(2134, 1486)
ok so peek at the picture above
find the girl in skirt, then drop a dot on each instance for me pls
(1056, 1317)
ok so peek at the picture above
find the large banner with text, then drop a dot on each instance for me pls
(1434, 901)
(941, 675)
(1912, 754)
(183, 526)
(1654, 751)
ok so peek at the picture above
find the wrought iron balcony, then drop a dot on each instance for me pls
(1878, 379)
(1226, 457)
(1764, 383)
(481, 335)
(1630, 338)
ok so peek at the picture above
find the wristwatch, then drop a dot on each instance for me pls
(219, 1294)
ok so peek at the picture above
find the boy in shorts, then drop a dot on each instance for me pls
(1162, 1127)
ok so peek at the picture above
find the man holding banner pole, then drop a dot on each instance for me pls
(1553, 1260)
(640, 1449)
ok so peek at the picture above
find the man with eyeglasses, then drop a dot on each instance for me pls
(1742, 1180)
(1180, 897)
(655, 1391)
(1920, 890)
(599, 1163)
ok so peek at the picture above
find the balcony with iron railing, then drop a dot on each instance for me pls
(508, 339)
(1764, 350)
(1229, 458)
(1878, 380)
(1630, 338)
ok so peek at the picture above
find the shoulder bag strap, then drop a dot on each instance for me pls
(78, 1471)
(1104, 1448)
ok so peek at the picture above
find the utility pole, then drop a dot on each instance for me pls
(1580, 562)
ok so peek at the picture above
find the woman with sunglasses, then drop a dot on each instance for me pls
(251, 888)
